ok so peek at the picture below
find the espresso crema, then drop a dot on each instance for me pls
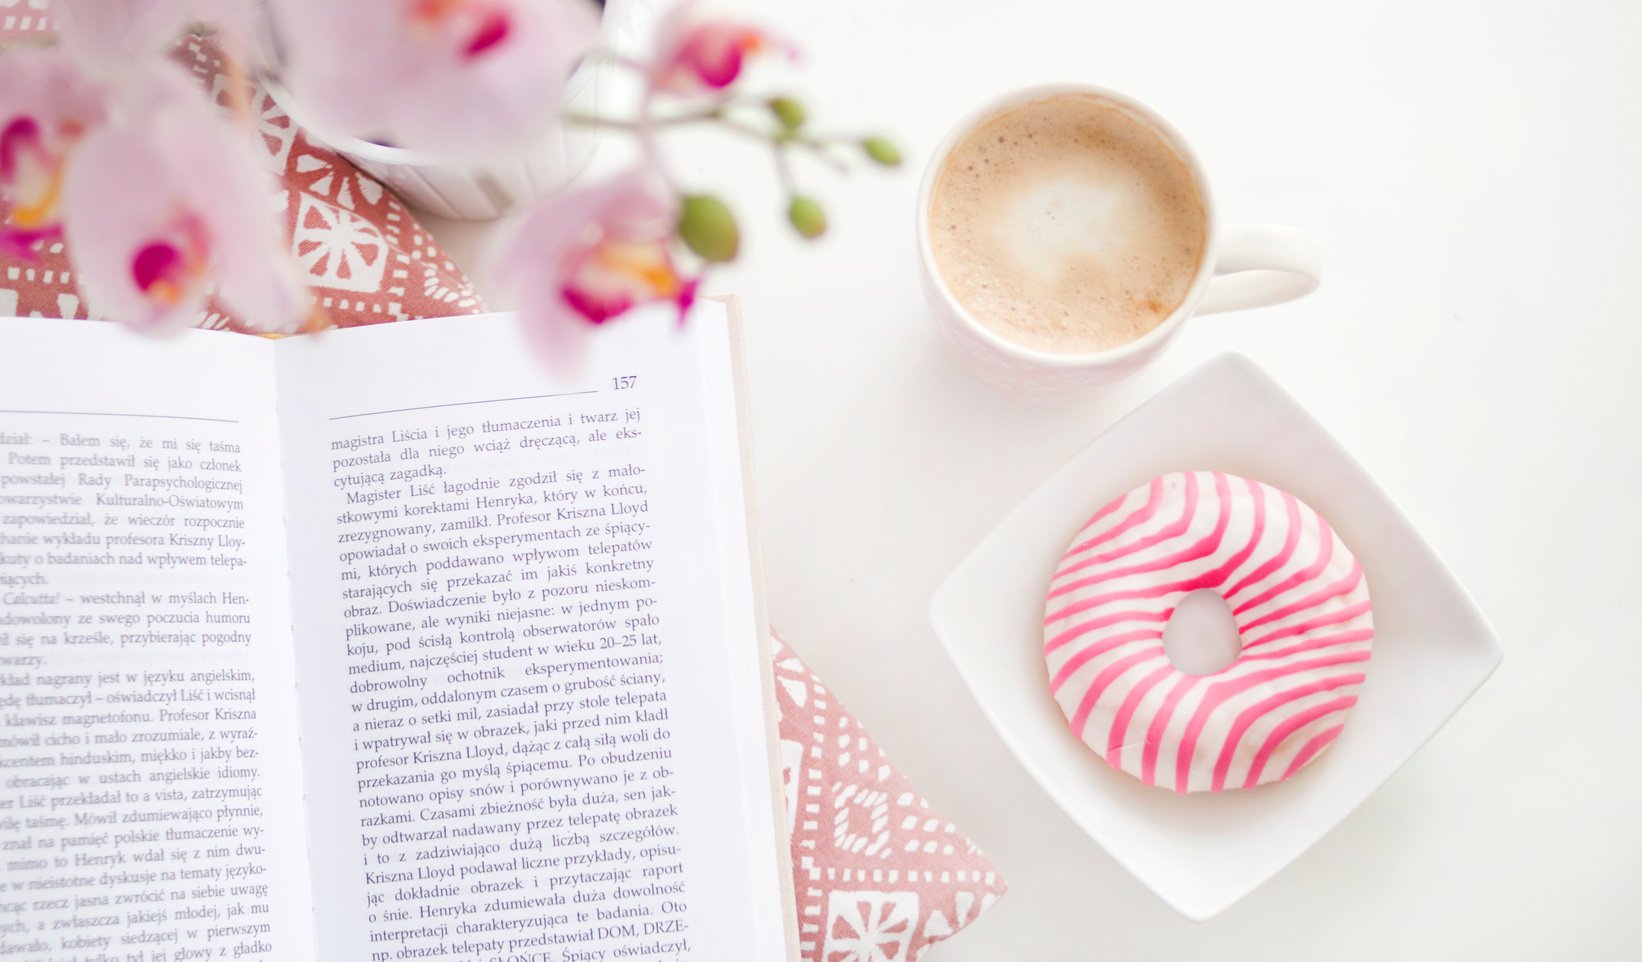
(1067, 225)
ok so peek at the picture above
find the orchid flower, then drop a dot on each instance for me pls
(46, 108)
(157, 211)
(591, 254)
(698, 55)
(452, 77)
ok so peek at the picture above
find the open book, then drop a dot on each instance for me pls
(384, 644)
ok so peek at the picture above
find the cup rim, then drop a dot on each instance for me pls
(1093, 360)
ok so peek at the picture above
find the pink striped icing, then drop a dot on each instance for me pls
(1298, 596)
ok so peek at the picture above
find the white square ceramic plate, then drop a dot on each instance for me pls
(1202, 852)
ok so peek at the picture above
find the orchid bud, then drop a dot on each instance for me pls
(807, 217)
(882, 151)
(707, 227)
(788, 111)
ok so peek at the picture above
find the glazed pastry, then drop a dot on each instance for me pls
(1303, 614)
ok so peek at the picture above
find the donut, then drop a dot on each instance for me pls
(1300, 602)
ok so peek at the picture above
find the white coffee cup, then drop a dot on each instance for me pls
(1243, 266)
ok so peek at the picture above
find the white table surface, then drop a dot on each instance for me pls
(1474, 172)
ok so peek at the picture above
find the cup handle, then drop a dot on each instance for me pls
(1260, 265)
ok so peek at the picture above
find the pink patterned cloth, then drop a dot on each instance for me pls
(25, 20)
(878, 875)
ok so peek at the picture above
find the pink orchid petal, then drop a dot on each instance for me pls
(715, 52)
(554, 259)
(256, 277)
(549, 230)
(111, 36)
(697, 54)
(612, 277)
(596, 306)
(184, 179)
(462, 78)
(634, 206)
(46, 103)
(672, 33)
(49, 86)
(642, 210)
(554, 330)
(609, 279)
(121, 195)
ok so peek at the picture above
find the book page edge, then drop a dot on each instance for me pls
(772, 734)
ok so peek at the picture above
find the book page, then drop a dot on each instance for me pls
(150, 787)
(530, 667)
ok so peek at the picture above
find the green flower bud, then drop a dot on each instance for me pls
(707, 227)
(807, 217)
(788, 111)
(882, 151)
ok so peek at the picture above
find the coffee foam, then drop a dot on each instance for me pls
(1066, 225)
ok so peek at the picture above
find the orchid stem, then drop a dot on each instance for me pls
(588, 120)
(783, 170)
(645, 126)
(748, 130)
(819, 152)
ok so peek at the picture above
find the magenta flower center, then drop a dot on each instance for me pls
(716, 52)
(22, 134)
(493, 29)
(31, 176)
(610, 276)
(158, 264)
(167, 268)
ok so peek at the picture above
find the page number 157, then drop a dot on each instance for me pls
(624, 382)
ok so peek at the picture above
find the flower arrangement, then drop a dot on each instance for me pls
(158, 197)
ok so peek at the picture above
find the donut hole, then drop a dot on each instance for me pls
(1201, 636)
